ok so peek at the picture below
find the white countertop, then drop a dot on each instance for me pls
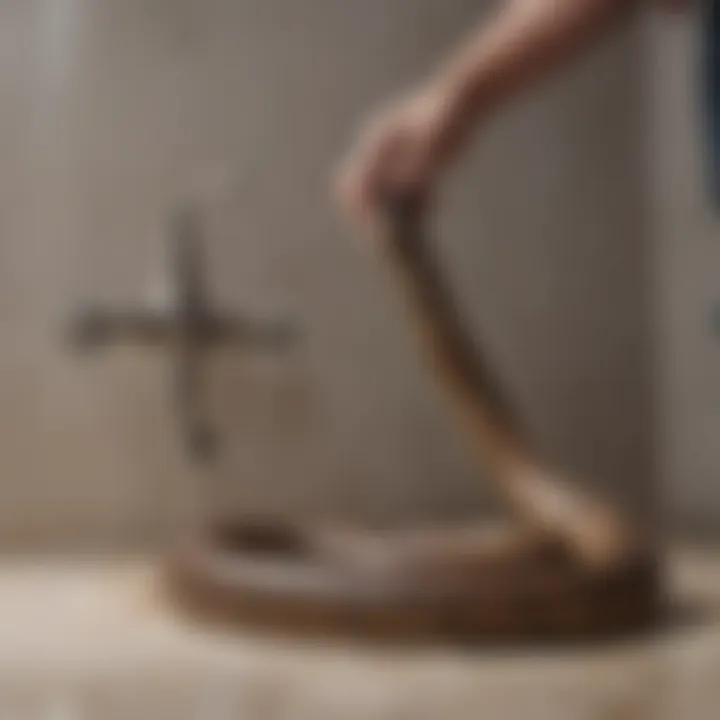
(93, 639)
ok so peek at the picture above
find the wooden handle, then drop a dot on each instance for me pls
(539, 494)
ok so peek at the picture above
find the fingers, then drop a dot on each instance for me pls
(400, 153)
(368, 171)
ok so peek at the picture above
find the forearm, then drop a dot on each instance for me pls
(525, 40)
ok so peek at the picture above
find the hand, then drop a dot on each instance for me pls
(402, 149)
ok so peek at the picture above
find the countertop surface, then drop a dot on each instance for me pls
(94, 638)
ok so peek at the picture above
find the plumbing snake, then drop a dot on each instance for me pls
(570, 565)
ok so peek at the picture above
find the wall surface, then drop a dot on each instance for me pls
(111, 111)
(687, 293)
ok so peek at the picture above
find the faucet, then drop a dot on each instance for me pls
(190, 327)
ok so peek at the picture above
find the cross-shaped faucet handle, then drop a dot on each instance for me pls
(190, 326)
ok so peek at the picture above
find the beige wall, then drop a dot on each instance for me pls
(112, 110)
(687, 259)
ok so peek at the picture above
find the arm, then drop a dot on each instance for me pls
(525, 40)
(412, 141)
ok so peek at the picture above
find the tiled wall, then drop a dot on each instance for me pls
(113, 110)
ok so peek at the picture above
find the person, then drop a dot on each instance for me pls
(407, 146)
